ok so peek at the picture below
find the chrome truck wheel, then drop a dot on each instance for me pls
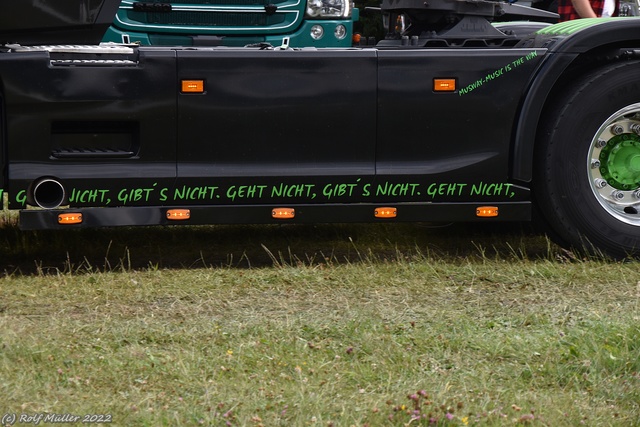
(587, 163)
(613, 165)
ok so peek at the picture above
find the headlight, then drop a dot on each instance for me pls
(329, 8)
(317, 32)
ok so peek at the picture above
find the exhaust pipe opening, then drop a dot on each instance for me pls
(48, 194)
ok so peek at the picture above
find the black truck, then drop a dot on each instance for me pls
(468, 110)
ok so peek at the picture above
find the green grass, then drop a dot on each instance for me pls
(317, 325)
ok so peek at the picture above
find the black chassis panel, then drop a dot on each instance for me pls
(353, 127)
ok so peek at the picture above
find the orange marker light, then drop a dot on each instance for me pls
(178, 214)
(70, 218)
(385, 212)
(486, 211)
(283, 213)
(192, 86)
(444, 85)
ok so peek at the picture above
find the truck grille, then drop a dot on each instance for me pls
(233, 2)
(211, 17)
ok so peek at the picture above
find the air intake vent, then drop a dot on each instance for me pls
(98, 140)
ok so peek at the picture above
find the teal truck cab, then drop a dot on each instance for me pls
(296, 23)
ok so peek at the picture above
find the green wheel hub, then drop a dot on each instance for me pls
(620, 162)
(613, 165)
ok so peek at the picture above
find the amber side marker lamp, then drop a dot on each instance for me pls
(70, 218)
(385, 212)
(283, 213)
(192, 86)
(178, 214)
(486, 211)
(444, 85)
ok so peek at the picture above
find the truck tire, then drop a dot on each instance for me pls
(587, 162)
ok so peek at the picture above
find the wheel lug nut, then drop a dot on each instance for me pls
(617, 129)
(595, 164)
(601, 143)
(636, 194)
(635, 128)
(617, 194)
(600, 183)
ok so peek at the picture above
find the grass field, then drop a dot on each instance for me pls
(329, 325)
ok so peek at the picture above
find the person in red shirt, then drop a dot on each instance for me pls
(575, 9)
